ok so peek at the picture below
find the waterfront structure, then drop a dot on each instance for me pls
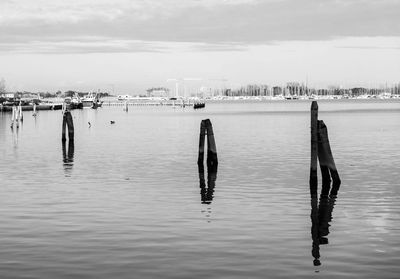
(158, 92)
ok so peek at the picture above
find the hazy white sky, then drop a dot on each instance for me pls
(89, 44)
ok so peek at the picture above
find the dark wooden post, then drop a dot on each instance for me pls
(314, 149)
(71, 151)
(201, 142)
(13, 116)
(212, 158)
(64, 127)
(326, 162)
(20, 114)
(70, 124)
(67, 121)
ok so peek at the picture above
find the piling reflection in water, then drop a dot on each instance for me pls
(15, 135)
(321, 216)
(68, 155)
(207, 191)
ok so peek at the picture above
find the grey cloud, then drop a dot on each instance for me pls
(219, 46)
(369, 47)
(229, 25)
(84, 45)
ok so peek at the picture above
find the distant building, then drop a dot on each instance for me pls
(158, 92)
(295, 88)
(7, 95)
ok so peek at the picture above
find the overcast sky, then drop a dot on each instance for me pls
(131, 45)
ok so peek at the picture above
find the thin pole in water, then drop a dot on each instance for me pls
(314, 149)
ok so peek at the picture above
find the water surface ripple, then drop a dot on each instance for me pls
(126, 199)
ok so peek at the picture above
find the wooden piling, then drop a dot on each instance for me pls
(71, 150)
(12, 117)
(200, 159)
(17, 116)
(70, 124)
(326, 162)
(212, 159)
(314, 149)
(64, 127)
(20, 115)
(67, 122)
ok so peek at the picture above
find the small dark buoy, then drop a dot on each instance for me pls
(112, 122)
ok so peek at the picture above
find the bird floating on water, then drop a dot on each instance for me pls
(90, 125)
(112, 122)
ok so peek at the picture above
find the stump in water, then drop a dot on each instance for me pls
(326, 162)
(13, 116)
(20, 114)
(321, 151)
(67, 122)
(201, 142)
(212, 158)
(314, 149)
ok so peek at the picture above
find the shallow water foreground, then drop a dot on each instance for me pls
(124, 201)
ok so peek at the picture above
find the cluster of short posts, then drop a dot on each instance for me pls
(16, 117)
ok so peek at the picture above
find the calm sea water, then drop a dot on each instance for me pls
(125, 200)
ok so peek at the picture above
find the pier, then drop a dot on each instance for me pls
(31, 107)
(151, 103)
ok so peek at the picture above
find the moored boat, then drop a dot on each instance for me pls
(73, 102)
(91, 100)
(198, 105)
